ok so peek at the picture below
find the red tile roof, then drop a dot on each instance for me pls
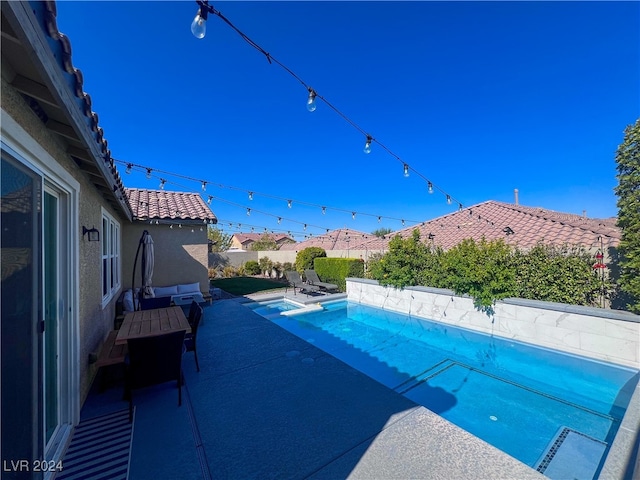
(516, 224)
(254, 237)
(167, 205)
(341, 239)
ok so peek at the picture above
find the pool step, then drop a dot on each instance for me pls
(571, 454)
(424, 376)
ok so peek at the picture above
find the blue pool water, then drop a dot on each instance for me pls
(517, 397)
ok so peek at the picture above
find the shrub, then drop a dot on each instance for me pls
(305, 258)
(266, 265)
(229, 271)
(336, 270)
(287, 267)
(251, 267)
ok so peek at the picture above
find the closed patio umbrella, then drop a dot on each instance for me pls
(147, 265)
(146, 270)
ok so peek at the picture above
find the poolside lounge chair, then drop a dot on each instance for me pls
(312, 278)
(295, 280)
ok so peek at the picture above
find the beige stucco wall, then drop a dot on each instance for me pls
(94, 320)
(181, 255)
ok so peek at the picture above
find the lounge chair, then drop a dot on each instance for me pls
(312, 278)
(295, 280)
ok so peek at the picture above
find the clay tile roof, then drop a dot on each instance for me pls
(167, 205)
(341, 239)
(254, 237)
(517, 225)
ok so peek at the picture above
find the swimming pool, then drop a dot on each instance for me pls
(555, 412)
(273, 308)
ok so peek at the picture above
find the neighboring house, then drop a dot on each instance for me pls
(177, 223)
(69, 234)
(341, 239)
(515, 224)
(243, 241)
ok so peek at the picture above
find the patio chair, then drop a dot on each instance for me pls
(312, 278)
(190, 338)
(156, 302)
(153, 361)
(295, 280)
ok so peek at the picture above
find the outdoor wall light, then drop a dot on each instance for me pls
(94, 234)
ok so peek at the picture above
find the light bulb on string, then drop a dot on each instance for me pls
(367, 145)
(324, 210)
(406, 170)
(209, 200)
(204, 186)
(279, 220)
(162, 182)
(311, 100)
(430, 187)
(199, 24)
(304, 227)
(353, 215)
(128, 170)
(289, 203)
(379, 219)
(448, 200)
(248, 212)
(250, 195)
(148, 174)
(402, 222)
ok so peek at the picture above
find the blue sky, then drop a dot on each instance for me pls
(479, 98)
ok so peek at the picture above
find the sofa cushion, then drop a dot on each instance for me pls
(127, 301)
(165, 291)
(189, 288)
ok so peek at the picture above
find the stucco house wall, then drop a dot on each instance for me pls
(95, 320)
(181, 254)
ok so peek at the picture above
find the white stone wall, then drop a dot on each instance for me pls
(608, 335)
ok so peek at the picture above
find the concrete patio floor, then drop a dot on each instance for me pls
(267, 404)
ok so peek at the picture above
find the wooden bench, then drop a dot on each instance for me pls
(111, 356)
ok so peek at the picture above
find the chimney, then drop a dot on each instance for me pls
(584, 214)
(515, 195)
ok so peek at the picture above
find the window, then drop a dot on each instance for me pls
(110, 256)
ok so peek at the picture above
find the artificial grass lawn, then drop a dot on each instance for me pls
(246, 285)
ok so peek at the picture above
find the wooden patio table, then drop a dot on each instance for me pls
(149, 323)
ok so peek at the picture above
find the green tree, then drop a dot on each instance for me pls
(628, 192)
(266, 242)
(381, 232)
(404, 264)
(304, 258)
(218, 240)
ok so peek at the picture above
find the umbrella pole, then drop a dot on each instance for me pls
(133, 275)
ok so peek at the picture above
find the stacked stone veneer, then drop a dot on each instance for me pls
(608, 335)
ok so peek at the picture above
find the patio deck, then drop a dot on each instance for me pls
(266, 404)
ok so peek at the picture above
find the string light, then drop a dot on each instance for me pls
(204, 186)
(198, 28)
(353, 215)
(289, 202)
(311, 100)
(128, 170)
(209, 200)
(279, 220)
(367, 145)
(324, 210)
(406, 170)
(248, 212)
(448, 200)
(162, 182)
(199, 24)
(430, 187)
(148, 174)
(250, 195)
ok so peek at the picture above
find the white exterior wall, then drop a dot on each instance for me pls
(608, 335)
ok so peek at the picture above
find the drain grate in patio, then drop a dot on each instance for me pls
(100, 449)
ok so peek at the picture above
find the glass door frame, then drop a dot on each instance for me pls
(22, 148)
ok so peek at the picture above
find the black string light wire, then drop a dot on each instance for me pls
(251, 194)
(198, 28)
